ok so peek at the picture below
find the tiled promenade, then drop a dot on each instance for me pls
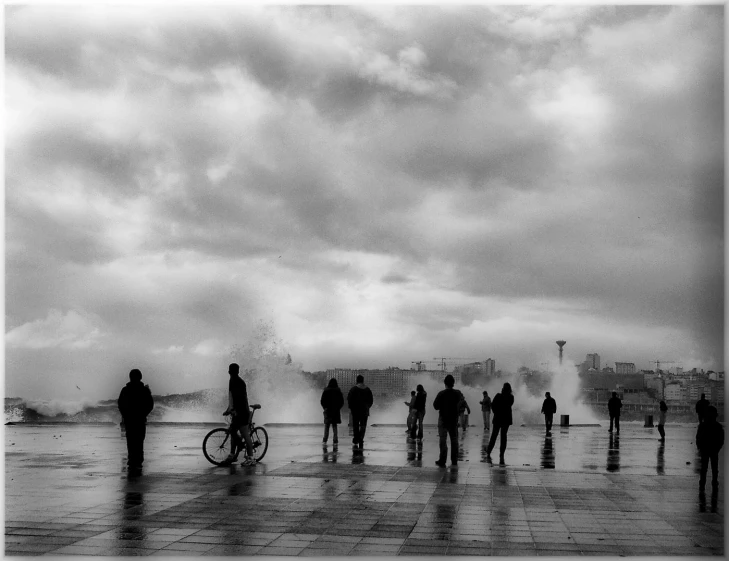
(581, 493)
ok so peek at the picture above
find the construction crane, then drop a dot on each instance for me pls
(659, 362)
(460, 359)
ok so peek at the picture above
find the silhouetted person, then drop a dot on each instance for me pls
(238, 407)
(332, 402)
(709, 440)
(486, 410)
(463, 412)
(501, 406)
(417, 428)
(614, 405)
(446, 403)
(411, 411)
(359, 400)
(135, 403)
(701, 406)
(662, 419)
(549, 408)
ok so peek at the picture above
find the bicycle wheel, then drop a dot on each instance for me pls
(259, 436)
(217, 445)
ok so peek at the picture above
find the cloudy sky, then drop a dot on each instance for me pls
(380, 185)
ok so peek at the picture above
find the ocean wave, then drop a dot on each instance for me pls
(197, 407)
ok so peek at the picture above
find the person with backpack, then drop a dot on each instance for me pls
(359, 400)
(332, 402)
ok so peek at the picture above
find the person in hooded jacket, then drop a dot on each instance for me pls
(332, 402)
(359, 401)
(135, 403)
(416, 430)
(501, 407)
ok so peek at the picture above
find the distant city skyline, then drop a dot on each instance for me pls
(367, 184)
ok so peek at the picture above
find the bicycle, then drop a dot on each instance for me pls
(217, 444)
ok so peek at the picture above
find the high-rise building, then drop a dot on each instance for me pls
(489, 367)
(594, 360)
(625, 368)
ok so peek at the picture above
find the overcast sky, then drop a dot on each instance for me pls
(381, 185)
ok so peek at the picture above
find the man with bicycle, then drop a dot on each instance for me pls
(238, 408)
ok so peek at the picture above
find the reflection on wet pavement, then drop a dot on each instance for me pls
(580, 492)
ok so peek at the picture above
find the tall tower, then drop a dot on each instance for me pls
(561, 344)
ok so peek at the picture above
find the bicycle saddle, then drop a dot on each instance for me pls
(255, 406)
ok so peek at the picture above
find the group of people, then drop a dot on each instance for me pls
(135, 404)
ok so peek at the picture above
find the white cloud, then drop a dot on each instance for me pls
(73, 330)
(209, 347)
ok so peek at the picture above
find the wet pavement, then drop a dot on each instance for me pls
(580, 492)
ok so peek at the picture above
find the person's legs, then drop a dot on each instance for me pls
(362, 429)
(442, 438)
(488, 420)
(485, 419)
(714, 458)
(246, 434)
(421, 416)
(355, 427)
(335, 437)
(704, 468)
(504, 431)
(612, 419)
(453, 432)
(661, 432)
(617, 424)
(492, 440)
(326, 432)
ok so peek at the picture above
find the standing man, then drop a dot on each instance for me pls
(446, 403)
(486, 410)
(359, 401)
(239, 409)
(135, 403)
(614, 405)
(420, 398)
(701, 406)
(503, 419)
(709, 440)
(549, 408)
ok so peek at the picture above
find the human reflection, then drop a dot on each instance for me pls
(485, 456)
(132, 510)
(445, 521)
(714, 500)
(328, 457)
(547, 453)
(660, 460)
(415, 453)
(613, 455)
(357, 456)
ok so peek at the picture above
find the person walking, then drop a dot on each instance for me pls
(486, 410)
(614, 405)
(446, 403)
(662, 419)
(501, 406)
(332, 402)
(359, 400)
(419, 406)
(701, 406)
(549, 408)
(135, 403)
(411, 410)
(239, 409)
(463, 412)
(709, 440)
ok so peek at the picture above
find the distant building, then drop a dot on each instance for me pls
(625, 368)
(387, 382)
(489, 367)
(594, 360)
(674, 392)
